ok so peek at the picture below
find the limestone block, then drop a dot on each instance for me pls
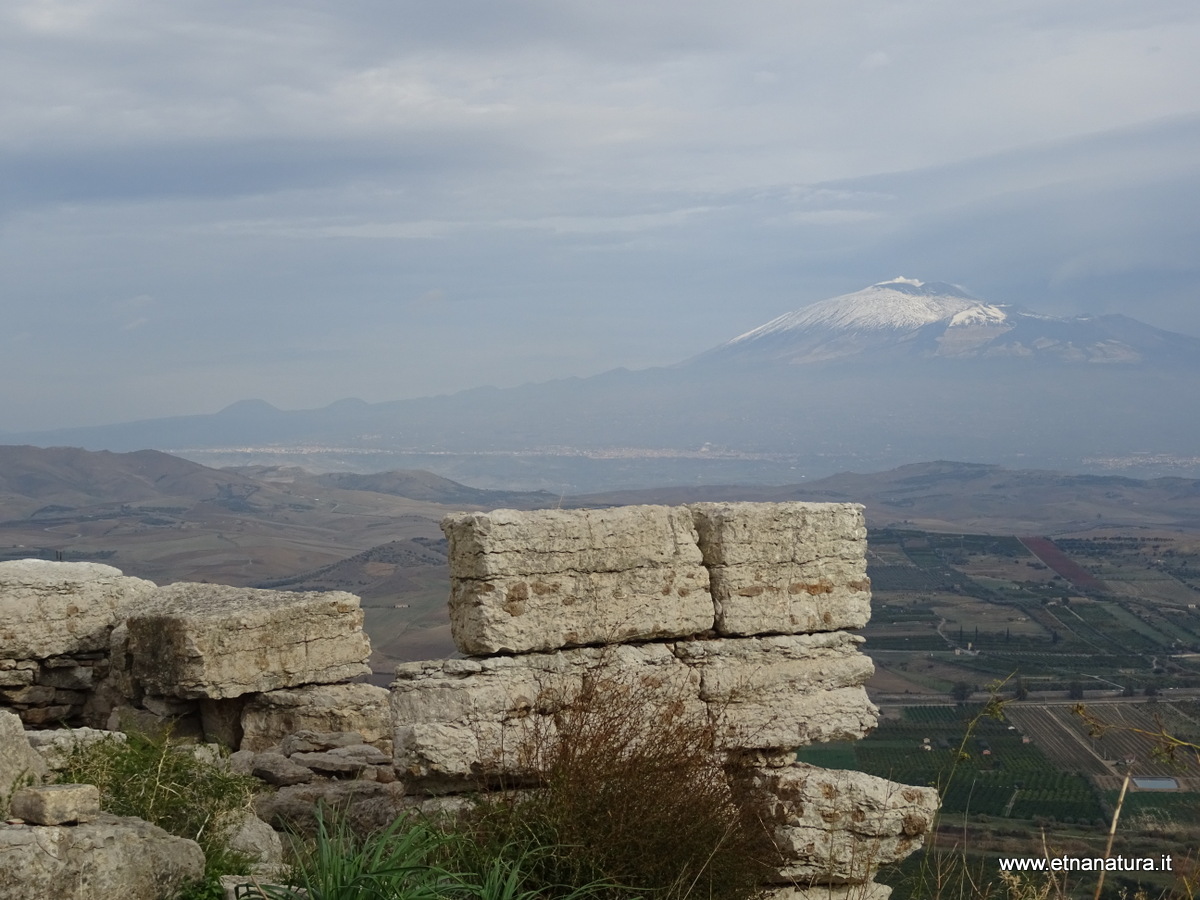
(785, 568)
(308, 741)
(268, 718)
(20, 764)
(55, 608)
(214, 641)
(277, 769)
(785, 691)
(109, 859)
(257, 840)
(17, 673)
(545, 541)
(364, 752)
(839, 827)
(462, 721)
(329, 764)
(56, 804)
(546, 579)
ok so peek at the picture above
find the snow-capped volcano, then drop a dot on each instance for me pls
(899, 304)
(913, 319)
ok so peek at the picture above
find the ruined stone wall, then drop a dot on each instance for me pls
(82, 644)
(741, 612)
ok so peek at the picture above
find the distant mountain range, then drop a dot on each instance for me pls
(898, 372)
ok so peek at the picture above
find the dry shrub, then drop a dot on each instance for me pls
(632, 793)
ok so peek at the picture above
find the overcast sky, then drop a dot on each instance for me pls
(202, 202)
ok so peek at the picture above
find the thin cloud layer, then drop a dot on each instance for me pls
(210, 201)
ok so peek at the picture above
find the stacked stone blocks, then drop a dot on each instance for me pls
(82, 643)
(741, 612)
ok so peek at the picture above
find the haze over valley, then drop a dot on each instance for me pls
(896, 373)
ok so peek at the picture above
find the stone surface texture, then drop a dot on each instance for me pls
(55, 608)
(785, 567)
(461, 720)
(468, 719)
(214, 641)
(20, 764)
(545, 579)
(838, 827)
(56, 804)
(109, 859)
(782, 692)
(257, 840)
(363, 708)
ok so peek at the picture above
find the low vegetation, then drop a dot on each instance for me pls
(171, 785)
(632, 793)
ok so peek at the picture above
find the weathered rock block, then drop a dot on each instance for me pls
(20, 764)
(785, 691)
(55, 608)
(109, 859)
(785, 568)
(364, 708)
(277, 769)
(56, 804)
(213, 641)
(542, 580)
(839, 827)
(257, 840)
(461, 722)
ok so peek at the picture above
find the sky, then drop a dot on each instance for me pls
(203, 202)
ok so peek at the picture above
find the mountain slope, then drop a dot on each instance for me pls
(909, 319)
(32, 477)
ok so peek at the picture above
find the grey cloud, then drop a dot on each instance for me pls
(587, 185)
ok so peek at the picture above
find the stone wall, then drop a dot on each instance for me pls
(742, 614)
(82, 644)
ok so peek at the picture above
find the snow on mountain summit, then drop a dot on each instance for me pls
(907, 319)
(901, 304)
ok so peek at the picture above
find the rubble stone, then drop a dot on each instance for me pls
(56, 804)
(277, 769)
(257, 840)
(308, 741)
(55, 746)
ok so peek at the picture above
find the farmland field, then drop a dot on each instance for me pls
(1116, 738)
(978, 609)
